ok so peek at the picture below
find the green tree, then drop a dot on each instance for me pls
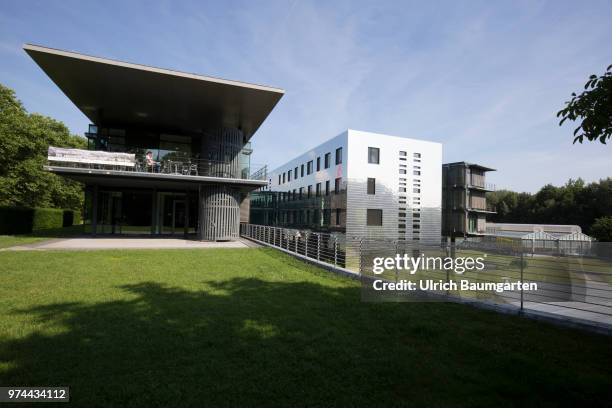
(24, 139)
(593, 107)
(602, 229)
(575, 203)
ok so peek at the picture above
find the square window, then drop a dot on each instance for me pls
(373, 155)
(374, 217)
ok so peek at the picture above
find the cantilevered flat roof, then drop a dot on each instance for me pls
(115, 93)
(471, 165)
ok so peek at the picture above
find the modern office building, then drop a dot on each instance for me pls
(464, 201)
(360, 184)
(168, 151)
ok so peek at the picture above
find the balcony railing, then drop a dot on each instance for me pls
(126, 162)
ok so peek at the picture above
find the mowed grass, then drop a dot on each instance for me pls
(7, 241)
(254, 327)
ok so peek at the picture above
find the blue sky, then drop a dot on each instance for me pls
(484, 78)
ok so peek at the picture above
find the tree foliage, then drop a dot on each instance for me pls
(593, 107)
(602, 228)
(575, 203)
(24, 139)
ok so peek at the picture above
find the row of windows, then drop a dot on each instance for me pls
(298, 194)
(310, 216)
(285, 177)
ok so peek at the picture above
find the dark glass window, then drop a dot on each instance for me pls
(318, 164)
(371, 186)
(337, 185)
(295, 174)
(374, 217)
(309, 191)
(339, 155)
(302, 170)
(327, 160)
(373, 155)
(279, 179)
(318, 189)
(283, 178)
(309, 167)
(327, 187)
(289, 175)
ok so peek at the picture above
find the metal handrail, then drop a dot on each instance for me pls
(177, 166)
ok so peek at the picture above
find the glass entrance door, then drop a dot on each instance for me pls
(172, 217)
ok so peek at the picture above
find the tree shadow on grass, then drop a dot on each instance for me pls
(258, 343)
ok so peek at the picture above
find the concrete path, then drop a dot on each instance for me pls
(128, 243)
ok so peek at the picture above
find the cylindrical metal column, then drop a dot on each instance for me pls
(219, 213)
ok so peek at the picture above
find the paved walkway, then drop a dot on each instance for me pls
(129, 243)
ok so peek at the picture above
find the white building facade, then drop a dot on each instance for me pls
(362, 184)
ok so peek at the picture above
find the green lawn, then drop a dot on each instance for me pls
(254, 327)
(39, 236)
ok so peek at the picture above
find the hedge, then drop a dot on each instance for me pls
(20, 220)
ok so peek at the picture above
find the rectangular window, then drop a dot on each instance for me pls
(337, 216)
(402, 171)
(417, 172)
(318, 164)
(402, 153)
(339, 155)
(302, 171)
(373, 155)
(416, 190)
(318, 190)
(374, 217)
(301, 192)
(309, 167)
(327, 216)
(327, 160)
(402, 189)
(371, 186)
(417, 155)
(289, 175)
(327, 188)
(309, 191)
(295, 174)
(337, 185)
(279, 179)
(283, 178)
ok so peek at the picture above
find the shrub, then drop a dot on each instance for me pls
(21, 220)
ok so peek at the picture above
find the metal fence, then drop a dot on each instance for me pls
(572, 285)
(323, 247)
